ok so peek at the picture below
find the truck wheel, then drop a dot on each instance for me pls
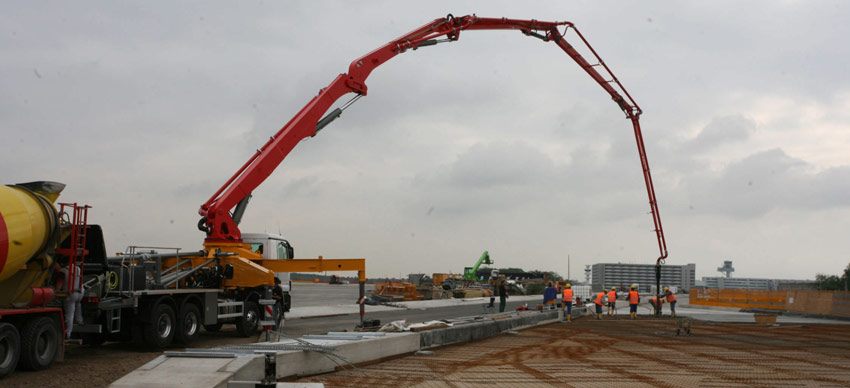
(188, 324)
(213, 328)
(160, 331)
(10, 349)
(40, 343)
(247, 325)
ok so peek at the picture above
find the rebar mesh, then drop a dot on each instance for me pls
(624, 353)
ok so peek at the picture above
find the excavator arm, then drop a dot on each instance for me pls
(221, 225)
(471, 272)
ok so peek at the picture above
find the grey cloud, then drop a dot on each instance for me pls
(200, 188)
(491, 165)
(597, 186)
(770, 180)
(721, 131)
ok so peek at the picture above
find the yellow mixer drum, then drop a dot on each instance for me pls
(27, 222)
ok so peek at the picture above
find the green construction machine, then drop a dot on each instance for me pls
(469, 272)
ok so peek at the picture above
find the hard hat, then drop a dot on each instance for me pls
(568, 285)
(666, 288)
(614, 288)
(633, 286)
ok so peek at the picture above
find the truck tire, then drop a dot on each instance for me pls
(10, 348)
(188, 324)
(247, 325)
(159, 332)
(40, 343)
(213, 327)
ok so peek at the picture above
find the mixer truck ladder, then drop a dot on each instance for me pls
(76, 252)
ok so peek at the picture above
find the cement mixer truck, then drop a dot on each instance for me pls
(151, 298)
(31, 324)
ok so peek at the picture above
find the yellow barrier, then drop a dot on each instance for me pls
(760, 299)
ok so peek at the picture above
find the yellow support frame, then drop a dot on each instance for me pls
(316, 265)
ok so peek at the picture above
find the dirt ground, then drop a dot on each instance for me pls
(98, 366)
(624, 353)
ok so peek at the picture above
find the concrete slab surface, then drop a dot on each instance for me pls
(618, 352)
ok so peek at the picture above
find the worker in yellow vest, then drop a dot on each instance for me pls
(612, 301)
(671, 298)
(634, 299)
(599, 303)
(568, 301)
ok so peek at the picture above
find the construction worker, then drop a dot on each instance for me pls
(656, 305)
(671, 298)
(70, 283)
(634, 299)
(568, 301)
(612, 300)
(549, 296)
(599, 304)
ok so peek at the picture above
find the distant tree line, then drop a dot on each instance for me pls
(834, 282)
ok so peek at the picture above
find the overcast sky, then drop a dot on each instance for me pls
(496, 142)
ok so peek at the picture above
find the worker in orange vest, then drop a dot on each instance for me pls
(599, 304)
(634, 299)
(612, 301)
(568, 301)
(656, 305)
(671, 298)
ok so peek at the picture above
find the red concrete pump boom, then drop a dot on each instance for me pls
(221, 225)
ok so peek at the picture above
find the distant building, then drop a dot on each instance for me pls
(758, 284)
(728, 281)
(607, 275)
(718, 282)
(798, 284)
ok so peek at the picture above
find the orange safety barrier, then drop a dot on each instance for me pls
(759, 299)
(834, 303)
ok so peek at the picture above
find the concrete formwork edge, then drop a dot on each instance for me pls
(198, 371)
(478, 330)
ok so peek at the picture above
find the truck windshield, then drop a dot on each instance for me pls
(281, 251)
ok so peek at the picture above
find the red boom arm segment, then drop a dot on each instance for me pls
(217, 220)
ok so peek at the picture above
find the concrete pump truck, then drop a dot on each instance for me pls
(156, 298)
